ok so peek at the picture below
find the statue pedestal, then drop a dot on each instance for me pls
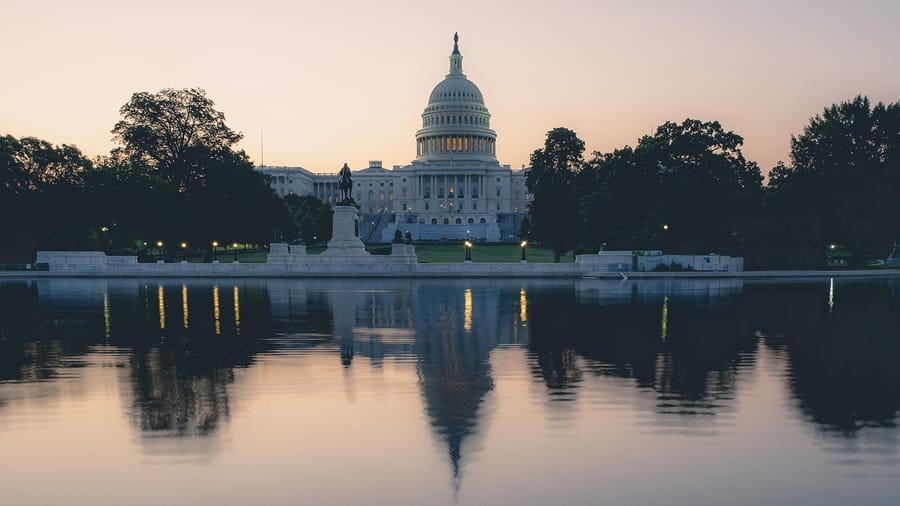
(345, 242)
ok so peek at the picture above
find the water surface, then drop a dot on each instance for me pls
(449, 392)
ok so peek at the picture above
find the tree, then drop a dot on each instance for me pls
(41, 197)
(312, 218)
(173, 131)
(176, 139)
(843, 181)
(554, 218)
(686, 188)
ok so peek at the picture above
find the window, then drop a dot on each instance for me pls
(382, 184)
(371, 195)
(470, 221)
(482, 220)
(427, 206)
(434, 221)
(474, 204)
(403, 192)
(459, 221)
(446, 221)
(381, 195)
(404, 206)
(498, 191)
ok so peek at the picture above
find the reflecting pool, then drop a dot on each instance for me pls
(396, 392)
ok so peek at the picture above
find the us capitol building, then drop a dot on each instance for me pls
(454, 189)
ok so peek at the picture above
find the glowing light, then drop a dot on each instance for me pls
(664, 331)
(106, 313)
(162, 308)
(237, 312)
(523, 308)
(218, 324)
(524, 243)
(830, 295)
(467, 311)
(184, 305)
(665, 227)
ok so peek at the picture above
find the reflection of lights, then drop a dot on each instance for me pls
(106, 313)
(184, 304)
(467, 312)
(523, 308)
(216, 310)
(237, 312)
(830, 295)
(162, 309)
(664, 331)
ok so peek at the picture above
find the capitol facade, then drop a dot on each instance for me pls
(454, 189)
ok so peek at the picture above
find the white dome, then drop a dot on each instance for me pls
(456, 122)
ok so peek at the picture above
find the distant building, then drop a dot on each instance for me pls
(454, 189)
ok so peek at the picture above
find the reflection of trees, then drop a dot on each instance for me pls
(36, 340)
(686, 350)
(181, 361)
(180, 381)
(842, 361)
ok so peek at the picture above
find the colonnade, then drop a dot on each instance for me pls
(456, 144)
(450, 186)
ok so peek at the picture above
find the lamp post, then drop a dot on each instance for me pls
(524, 243)
(215, 244)
(468, 245)
(184, 252)
(159, 245)
(234, 248)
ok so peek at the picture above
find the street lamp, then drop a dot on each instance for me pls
(234, 247)
(159, 245)
(184, 252)
(468, 245)
(524, 243)
(215, 244)
(666, 227)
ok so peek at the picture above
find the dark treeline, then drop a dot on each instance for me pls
(175, 176)
(687, 188)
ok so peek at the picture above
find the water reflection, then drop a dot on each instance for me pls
(678, 353)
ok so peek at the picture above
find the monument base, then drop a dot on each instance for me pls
(345, 243)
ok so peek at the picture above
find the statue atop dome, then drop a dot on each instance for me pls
(456, 43)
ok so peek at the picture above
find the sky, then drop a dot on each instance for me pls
(322, 83)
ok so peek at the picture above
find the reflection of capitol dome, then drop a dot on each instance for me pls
(455, 122)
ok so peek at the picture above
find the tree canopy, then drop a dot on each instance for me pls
(686, 188)
(842, 185)
(554, 219)
(174, 132)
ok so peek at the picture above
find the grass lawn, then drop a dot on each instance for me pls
(434, 253)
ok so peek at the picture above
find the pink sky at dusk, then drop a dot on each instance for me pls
(329, 82)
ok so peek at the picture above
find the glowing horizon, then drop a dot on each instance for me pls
(348, 82)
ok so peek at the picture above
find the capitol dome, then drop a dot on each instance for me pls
(456, 123)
